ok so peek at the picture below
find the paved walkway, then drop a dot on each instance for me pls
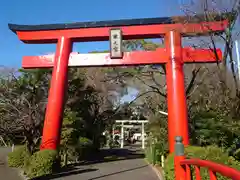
(6, 172)
(127, 165)
(131, 169)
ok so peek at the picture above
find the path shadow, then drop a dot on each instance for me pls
(119, 172)
(109, 155)
(64, 173)
(103, 156)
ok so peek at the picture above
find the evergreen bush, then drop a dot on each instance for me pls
(211, 153)
(42, 163)
(19, 157)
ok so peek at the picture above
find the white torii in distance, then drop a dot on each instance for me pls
(132, 121)
(135, 121)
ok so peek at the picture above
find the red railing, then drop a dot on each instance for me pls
(182, 166)
(212, 167)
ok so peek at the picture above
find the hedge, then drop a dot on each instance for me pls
(210, 153)
(84, 147)
(41, 163)
(237, 154)
(19, 157)
(154, 152)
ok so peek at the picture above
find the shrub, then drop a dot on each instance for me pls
(210, 153)
(149, 155)
(85, 142)
(68, 154)
(237, 154)
(153, 152)
(84, 147)
(19, 157)
(42, 163)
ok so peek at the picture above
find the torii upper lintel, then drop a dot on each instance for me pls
(131, 28)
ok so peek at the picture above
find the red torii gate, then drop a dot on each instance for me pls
(173, 55)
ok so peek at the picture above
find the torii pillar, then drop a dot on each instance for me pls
(173, 55)
(176, 98)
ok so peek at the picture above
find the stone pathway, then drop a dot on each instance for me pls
(6, 172)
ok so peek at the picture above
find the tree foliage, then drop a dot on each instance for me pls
(23, 101)
(22, 106)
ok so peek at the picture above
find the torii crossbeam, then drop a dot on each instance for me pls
(190, 55)
(173, 55)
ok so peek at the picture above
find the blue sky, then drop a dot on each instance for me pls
(61, 11)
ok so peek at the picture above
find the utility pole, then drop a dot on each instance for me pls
(238, 59)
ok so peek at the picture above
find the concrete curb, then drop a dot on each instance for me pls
(157, 172)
